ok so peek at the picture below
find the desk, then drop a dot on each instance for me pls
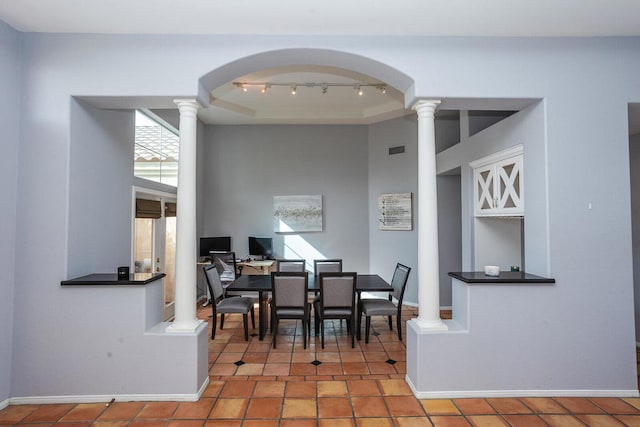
(262, 284)
(255, 267)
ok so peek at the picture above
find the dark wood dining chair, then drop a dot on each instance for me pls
(291, 265)
(386, 307)
(289, 300)
(337, 300)
(222, 305)
(327, 266)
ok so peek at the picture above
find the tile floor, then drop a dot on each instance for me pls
(254, 385)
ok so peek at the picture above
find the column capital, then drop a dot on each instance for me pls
(426, 108)
(187, 105)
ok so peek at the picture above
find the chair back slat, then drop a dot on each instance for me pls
(327, 266)
(399, 281)
(337, 289)
(291, 265)
(213, 281)
(289, 289)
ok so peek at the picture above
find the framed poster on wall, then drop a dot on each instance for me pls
(297, 213)
(395, 212)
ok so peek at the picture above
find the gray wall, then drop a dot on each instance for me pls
(571, 159)
(449, 232)
(395, 173)
(245, 166)
(9, 87)
(634, 162)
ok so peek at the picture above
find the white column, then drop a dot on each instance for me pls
(186, 248)
(428, 270)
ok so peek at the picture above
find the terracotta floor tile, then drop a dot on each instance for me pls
(329, 369)
(269, 389)
(369, 406)
(214, 388)
(277, 369)
(474, 406)
(332, 388)
(363, 388)
(449, 421)
(381, 368)
(374, 422)
(439, 407)
(84, 412)
(255, 358)
(544, 405)
(412, 422)
(301, 389)
(238, 389)
(336, 422)
(487, 421)
(334, 407)
(303, 357)
(329, 357)
(282, 357)
(633, 401)
(261, 423)
(561, 420)
(599, 420)
(353, 356)
(509, 406)
(14, 414)
(375, 356)
(229, 408)
(194, 410)
(143, 423)
(613, 405)
(404, 406)
(517, 420)
(629, 420)
(355, 368)
(223, 369)
(302, 369)
(156, 410)
(121, 411)
(250, 369)
(46, 413)
(579, 405)
(229, 357)
(184, 423)
(298, 423)
(299, 407)
(223, 423)
(395, 388)
(265, 407)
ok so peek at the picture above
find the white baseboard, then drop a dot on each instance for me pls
(4, 404)
(518, 393)
(43, 400)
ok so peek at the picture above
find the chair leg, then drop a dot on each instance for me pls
(366, 329)
(221, 321)
(253, 318)
(322, 332)
(304, 332)
(353, 331)
(316, 319)
(245, 321)
(274, 328)
(399, 322)
(214, 321)
(390, 324)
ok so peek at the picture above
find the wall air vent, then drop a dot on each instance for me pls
(396, 150)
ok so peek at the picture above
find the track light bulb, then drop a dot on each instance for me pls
(324, 89)
(244, 88)
(360, 91)
(293, 89)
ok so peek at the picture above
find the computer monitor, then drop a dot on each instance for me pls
(261, 246)
(214, 244)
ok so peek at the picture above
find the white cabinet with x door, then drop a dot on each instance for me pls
(498, 183)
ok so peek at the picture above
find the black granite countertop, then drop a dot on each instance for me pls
(504, 277)
(102, 279)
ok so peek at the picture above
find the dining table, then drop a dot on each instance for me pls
(262, 285)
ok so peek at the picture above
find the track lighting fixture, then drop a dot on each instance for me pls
(324, 86)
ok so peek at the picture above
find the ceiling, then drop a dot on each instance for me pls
(340, 104)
